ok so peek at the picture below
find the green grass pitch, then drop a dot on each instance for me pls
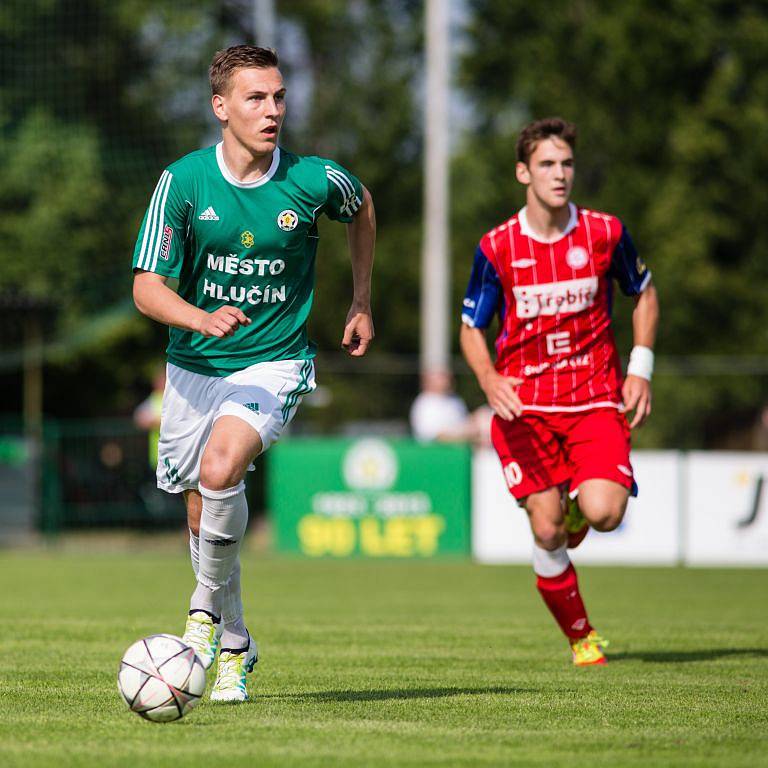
(391, 664)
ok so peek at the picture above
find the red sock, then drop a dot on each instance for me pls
(561, 594)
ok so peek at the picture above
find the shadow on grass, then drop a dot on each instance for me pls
(395, 693)
(665, 657)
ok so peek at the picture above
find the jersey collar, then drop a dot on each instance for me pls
(227, 174)
(526, 230)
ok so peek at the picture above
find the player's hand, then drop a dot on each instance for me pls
(501, 393)
(223, 322)
(358, 331)
(637, 397)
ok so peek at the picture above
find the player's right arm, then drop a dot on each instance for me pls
(481, 302)
(159, 254)
(156, 300)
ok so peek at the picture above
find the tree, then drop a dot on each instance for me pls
(669, 98)
(96, 98)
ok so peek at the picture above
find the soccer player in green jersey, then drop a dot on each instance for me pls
(236, 224)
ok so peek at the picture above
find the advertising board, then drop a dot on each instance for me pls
(649, 534)
(726, 511)
(370, 497)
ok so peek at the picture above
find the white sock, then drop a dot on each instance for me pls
(234, 636)
(194, 551)
(231, 604)
(552, 563)
(202, 597)
(206, 599)
(235, 632)
(222, 526)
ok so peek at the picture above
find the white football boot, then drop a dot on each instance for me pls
(202, 634)
(230, 677)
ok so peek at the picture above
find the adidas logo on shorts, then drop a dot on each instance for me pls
(252, 407)
(208, 214)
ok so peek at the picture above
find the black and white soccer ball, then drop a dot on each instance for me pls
(161, 678)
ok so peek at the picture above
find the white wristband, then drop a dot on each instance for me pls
(641, 363)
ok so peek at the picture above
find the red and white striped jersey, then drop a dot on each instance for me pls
(554, 300)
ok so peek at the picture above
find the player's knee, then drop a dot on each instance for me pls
(219, 471)
(549, 536)
(605, 516)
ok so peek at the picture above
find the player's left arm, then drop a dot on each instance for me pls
(636, 391)
(635, 280)
(361, 237)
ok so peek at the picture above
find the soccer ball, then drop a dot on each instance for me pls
(161, 678)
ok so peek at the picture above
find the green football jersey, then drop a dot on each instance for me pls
(250, 245)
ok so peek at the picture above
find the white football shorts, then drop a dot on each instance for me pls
(264, 395)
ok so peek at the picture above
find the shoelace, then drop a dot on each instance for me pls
(601, 641)
(199, 631)
(230, 672)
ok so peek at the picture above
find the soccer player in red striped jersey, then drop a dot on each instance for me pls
(561, 427)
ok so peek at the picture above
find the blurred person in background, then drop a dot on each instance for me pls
(237, 225)
(147, 414)
(556, 387)
(439, 414)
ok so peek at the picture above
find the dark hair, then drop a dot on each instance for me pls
(225, 63)
(539, 130)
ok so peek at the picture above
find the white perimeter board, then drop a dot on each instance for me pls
(727, 509)
(649, 535)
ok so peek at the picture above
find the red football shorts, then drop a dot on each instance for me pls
(542, 450)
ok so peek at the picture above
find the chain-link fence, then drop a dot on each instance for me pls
(98, 474)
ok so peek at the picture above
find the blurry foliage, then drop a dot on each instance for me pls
(96, 98)
(53, 200)
(671, 99)
(363, 114)
(82, 136)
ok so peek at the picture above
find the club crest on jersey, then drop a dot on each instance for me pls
(247, 239)
(287, 220)
(577, 257)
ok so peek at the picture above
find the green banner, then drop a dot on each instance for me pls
(370, 497)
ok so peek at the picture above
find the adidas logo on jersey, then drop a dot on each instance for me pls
(208, 215)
